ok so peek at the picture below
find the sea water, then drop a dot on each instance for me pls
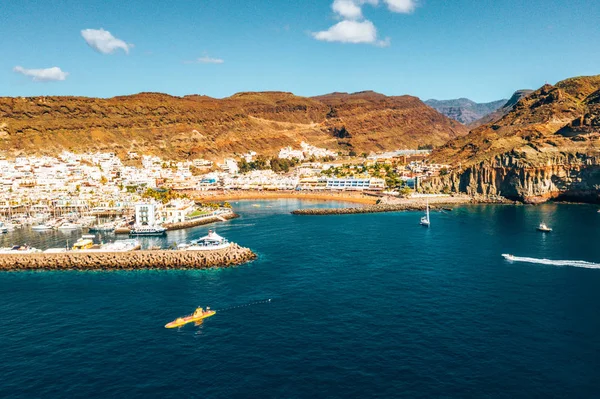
(370, 305)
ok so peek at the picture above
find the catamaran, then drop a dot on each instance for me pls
(425, 219)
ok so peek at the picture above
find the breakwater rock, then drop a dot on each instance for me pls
(234, 255)
(200, 221)
(365, 209)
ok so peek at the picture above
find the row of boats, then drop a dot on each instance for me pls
(211, 242)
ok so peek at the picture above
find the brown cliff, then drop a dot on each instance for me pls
(200, 126)
(547, 146)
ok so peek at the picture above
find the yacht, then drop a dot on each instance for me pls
(19, 249)
(544, 228)
(209, 242)
(425, 219)
(69, 226)
(145, 230)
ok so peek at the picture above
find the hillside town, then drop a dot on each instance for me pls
(43, 187)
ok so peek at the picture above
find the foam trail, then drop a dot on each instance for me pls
(573, 263)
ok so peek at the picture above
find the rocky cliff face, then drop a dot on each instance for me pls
(200, 126)
(547, 146)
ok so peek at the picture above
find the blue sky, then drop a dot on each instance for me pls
(483, 50)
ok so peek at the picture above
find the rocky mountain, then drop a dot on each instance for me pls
(547, 146)
(200, 126)
(503, 110)
(464, 110)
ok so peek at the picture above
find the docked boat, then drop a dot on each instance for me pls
(83, 244)
(3, 228)
(210, 242)
(19, 249)
(69, 226)
(425, 219)
(41, 227)
(121, 246)
(148, 231)
(198, 315)
(103, 228)
(544, 228)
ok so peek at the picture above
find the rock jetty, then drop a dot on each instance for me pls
(234, 255)
(188, 223)
(365, 209)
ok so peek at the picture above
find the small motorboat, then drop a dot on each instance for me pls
(508, 257)
(198, 315)
(41, 227)
(69, 226)
(544, 228)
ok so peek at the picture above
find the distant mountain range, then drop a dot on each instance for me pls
(464, 110)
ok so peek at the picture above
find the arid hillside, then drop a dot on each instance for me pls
(546, 146)
(200, 126)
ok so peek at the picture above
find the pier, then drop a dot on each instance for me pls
(234, 255)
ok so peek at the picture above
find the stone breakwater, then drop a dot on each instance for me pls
(200, 221)
(234, 255)
(364, 209)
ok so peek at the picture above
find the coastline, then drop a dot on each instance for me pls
(234, 255)
(352, 197)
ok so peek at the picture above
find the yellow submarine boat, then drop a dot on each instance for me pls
(198, 315)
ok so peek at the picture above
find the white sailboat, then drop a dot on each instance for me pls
(425, 219)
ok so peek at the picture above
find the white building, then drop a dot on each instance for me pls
(145, 214)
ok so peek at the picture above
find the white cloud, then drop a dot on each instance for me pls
(209, 60)
(42, 75)
(354, 28)
(349, 32)
(347, 9)
(401, 6)
(104, 42)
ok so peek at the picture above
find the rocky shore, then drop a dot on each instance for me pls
(234, 255)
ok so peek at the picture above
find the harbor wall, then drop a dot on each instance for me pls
(234, 255)
(188, 223)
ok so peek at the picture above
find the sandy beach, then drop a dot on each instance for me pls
(218, 196)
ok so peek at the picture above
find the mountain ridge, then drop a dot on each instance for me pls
(201, 126)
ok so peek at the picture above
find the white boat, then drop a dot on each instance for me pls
(425, 219)
(41, 227)
(209, 242)
(3, 228)
(69, 226)
(19, 249)
(120, 246)
(508, 256)
(544, 228)
(148, 231)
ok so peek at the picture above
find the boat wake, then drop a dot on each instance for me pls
(573, 263)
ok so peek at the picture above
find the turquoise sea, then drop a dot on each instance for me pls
(361, 306)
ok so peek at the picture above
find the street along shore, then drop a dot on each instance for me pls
(234, 255)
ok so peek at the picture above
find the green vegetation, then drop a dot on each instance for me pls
(161, 195)
(261, 163)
